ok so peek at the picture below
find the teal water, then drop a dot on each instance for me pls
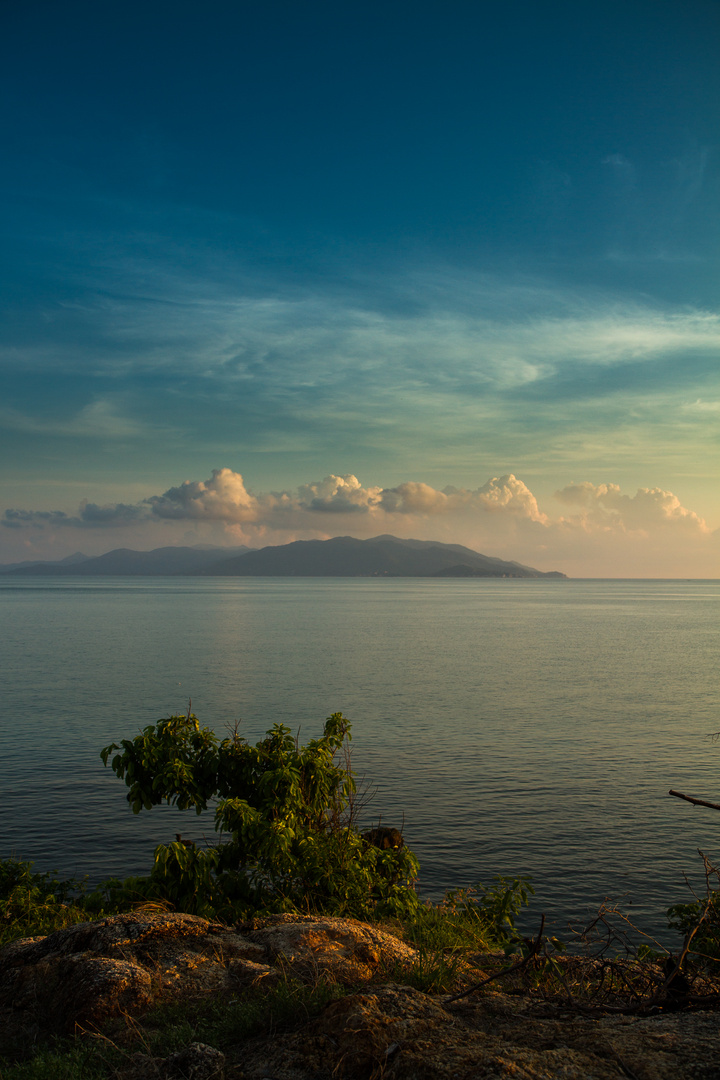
(514, 727)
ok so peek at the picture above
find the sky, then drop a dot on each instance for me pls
(274, 270)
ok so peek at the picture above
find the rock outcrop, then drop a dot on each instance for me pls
(344, 950)
(397, 1033)
(79, 978)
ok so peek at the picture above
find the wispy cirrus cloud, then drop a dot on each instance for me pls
(442, 327)
(101, 418)
(411, 366)
(702, 406)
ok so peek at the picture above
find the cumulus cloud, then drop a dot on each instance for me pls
(223, 497)
(111, 514)
(601, 531)
(338, 495)
(89, 515)
(604, 506)
(504, 494)
(413, 498)
(511, 495)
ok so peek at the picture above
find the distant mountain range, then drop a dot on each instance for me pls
(123, 562)
(344, 556)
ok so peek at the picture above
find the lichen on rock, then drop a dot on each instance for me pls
(78, 977)
(346, 950)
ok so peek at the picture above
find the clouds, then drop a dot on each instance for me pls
(457, 279)
(396, 369)
(38, 519)
(504, 494)
(428, 330)
(223, 497)
(225, 321)
(604, 506)
(592, 530)
(93, 516)
(336, 495)
(403, 384)
(99, 419)
(89, 516)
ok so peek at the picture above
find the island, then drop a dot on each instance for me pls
(342, 556)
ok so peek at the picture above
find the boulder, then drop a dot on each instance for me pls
(76, 978)
(198, 1061)
(384, 838)
(398, 1033)
(344, 950)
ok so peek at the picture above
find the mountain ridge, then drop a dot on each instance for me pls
(340, 556)
(384, 556)
(126, 562)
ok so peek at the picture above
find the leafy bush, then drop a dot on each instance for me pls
(492, 908)
(32, 903)
(705, 916)
(287, 810)
(479, 918)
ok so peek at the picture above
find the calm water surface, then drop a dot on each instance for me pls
(516, 727)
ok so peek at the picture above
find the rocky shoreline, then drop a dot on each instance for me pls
(80, 980)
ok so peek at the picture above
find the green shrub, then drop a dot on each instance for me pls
(286, 811)
(36, 904)
(705, 915)
(491, 908)
(481, 917)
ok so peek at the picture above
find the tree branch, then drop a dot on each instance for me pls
(695, 802)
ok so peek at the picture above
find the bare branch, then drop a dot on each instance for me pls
(534, 948)
(695, 802)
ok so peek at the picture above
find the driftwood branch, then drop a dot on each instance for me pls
(695, 802)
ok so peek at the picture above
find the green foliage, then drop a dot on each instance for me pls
(492, 909)
(65, 1061)
(434, 972)
(466, 921)
(222, 1021)
(705, 915)
(35, 904)
(286, 811)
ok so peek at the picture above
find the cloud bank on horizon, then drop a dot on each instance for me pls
(594, 530)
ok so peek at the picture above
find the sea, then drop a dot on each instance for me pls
(509, 727)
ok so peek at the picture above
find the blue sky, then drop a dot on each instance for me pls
(437, 269)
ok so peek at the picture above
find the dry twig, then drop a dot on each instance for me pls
(535, 947)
